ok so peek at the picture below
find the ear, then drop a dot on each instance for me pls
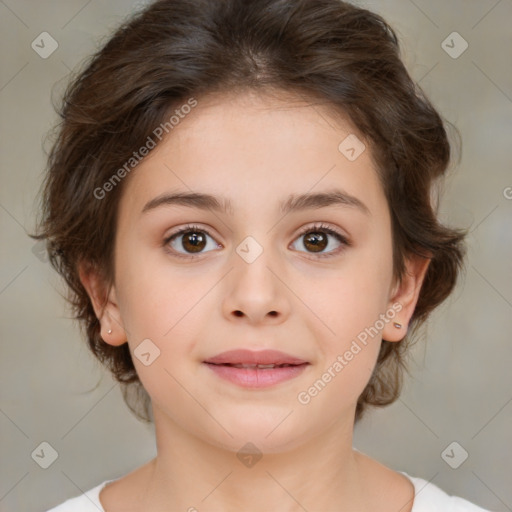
(104, 302)
(404, 297)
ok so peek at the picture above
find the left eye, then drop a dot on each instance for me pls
(316, 239)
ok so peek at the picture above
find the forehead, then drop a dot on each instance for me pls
(279, 115)
(252, 147)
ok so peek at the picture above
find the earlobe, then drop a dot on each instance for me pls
(404, 298)
(104, 302)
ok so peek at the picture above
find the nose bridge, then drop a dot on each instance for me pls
(254, 286)
(252, 259)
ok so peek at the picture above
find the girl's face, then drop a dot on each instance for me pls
(259, 275)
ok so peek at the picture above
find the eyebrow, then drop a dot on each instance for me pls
(295, 202)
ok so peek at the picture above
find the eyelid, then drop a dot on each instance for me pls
(321, 226)
(184, 229)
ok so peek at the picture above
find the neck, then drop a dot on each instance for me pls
(192, 474)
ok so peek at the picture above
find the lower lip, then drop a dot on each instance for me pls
(256, 377)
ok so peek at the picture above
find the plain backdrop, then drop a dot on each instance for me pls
(461, 385)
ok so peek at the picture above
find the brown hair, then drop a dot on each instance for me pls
(329, 50)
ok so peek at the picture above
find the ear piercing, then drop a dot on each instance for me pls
(110, 331)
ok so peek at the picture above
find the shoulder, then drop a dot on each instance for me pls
(88, 501)
(430, 498)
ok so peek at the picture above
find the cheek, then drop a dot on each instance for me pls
(351, 296)
(162, 311)
(166, 304)
(348, 342)
(347, 307)
(153, 293)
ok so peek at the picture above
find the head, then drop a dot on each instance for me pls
(251, 102)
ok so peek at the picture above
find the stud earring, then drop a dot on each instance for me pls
(109, 331)
(397, 325)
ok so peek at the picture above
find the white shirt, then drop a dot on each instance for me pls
(428, 498)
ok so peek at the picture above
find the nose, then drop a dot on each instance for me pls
(256, 290)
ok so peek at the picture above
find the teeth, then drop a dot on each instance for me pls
(260, 366)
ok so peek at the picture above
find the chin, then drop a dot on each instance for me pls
(260, 434)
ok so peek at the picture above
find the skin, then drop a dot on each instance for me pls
(255, 150)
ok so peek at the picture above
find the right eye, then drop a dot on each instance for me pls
(191, 239)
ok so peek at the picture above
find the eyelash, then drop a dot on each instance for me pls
(310, 229)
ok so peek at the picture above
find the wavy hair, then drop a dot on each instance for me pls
(327, 50)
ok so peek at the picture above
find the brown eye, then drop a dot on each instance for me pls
(316, 239)
(193, 241)
(189, 241)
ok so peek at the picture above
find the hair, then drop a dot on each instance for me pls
(328, 50)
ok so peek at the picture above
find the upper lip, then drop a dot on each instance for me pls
(243, 356)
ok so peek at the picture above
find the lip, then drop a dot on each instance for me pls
(256, 377)
(244, 356)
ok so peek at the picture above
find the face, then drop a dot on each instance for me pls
(308, 281)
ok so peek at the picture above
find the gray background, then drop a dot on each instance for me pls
(460, 389)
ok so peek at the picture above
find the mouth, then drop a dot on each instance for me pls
(255, 358)
(259, 366)
(250, 369)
